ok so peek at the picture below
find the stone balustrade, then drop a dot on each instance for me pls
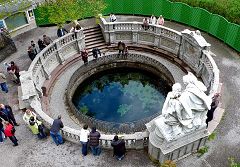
(183, 45)
(188, 46)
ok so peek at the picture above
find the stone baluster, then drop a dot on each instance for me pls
(80, 41)
(47, 73)
(134, 32)
(59, 55)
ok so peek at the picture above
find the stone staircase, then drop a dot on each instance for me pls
(94, 39)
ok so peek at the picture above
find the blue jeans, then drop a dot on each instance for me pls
(57, 138)
(84, 148)
(4, 87)
(1, 135)
(96, 150)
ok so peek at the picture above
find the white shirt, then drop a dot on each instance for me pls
(113, 18)
(153, 20)
(84, 135)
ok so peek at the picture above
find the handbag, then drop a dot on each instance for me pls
(40, 127)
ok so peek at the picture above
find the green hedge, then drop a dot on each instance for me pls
(230, 9)
(196, 17)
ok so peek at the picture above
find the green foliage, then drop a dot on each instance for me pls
(230, 9)
(202, 151)
(84, 109)
(61, 11)
(233, 163)
(212, 136)
(168, 163)
(8, 5)
(124, 108)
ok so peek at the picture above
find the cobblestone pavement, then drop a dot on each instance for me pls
(44, 153)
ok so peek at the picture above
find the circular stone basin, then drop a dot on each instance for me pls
(121, 95)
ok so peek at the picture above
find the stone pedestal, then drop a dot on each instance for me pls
(163, 147)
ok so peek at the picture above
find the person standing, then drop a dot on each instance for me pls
(37, 128)
(27, 115)
(160, 20)
(61, 31)
(15, 70)
(94, 137)
(145, 24)
(3, 83)
(31, 53)
(55, 131)
(95, 52)
(119, 148)
(214, 104)
(84, 55)
(153, 20)
(84, 134)
(7, 110)
(121, 47)
(11, 74)
(113, 19)
(1, 131)
(10, 132)
(41, 44)
(47, 40)
(34, 48)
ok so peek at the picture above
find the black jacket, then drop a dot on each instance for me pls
(94, 138)
(56, 126)
(119, 148)
(61, 32)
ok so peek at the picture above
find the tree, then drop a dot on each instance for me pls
(61, 11)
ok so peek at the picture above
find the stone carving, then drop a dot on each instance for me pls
(183, 111)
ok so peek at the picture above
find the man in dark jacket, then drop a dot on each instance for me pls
(214, 104)
(121, 47)
(94, 141)
(7, 114)
(95, 52)
(61, 31)
(55, 131)
(119, 148)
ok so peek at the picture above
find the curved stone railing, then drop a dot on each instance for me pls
(53, 55)
(188, 46)
(109, 62)
(185, 46)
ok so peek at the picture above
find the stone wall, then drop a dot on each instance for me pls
(109, 62)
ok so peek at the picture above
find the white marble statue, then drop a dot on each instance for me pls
(184, 111)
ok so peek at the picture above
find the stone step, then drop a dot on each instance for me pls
(100, 38)
(96, 42)
(93, 36)
(89, 49)
(91, 29)
(102, 50)
(92, 33)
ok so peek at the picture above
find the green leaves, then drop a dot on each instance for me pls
(61, 11)
(9, 6)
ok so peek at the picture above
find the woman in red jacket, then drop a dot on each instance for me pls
(9, 132)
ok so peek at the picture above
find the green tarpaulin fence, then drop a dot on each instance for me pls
(199, 18)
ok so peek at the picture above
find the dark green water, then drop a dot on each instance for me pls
(121, 95)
